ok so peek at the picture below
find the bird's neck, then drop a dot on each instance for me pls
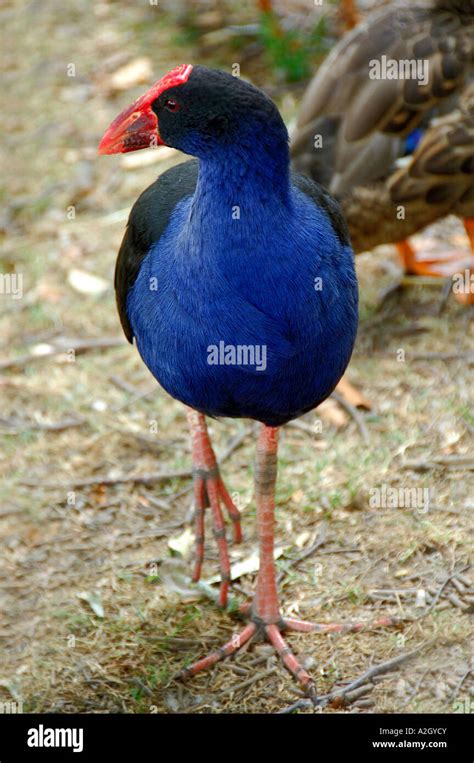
(238, 185)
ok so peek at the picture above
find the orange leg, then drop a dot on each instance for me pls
(451, 264)
(209, 489)
(264, 612)
(466, 295)
(439, 267)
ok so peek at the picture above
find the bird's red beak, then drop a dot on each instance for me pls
(137, 126)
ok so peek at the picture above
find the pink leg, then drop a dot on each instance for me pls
(264, 612)
(209, 489)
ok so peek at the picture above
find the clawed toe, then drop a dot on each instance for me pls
(272, 632)
(273, 635)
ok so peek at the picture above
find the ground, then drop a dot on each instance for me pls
(99, 613)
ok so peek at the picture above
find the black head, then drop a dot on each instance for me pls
(214, 109)
(197, 110)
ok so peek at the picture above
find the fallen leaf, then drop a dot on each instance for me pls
(302, 539)
(402, 573)
(13, 687)
(182, 544)
(42, 349)
(94, 601)
(297, 496)
(352, 394)
(174, 576)
(87, 283)
(420, 598)
(48, 292)
(248, 565)
(332, 413)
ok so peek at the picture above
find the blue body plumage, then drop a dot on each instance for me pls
(246, 264)
(236, 280)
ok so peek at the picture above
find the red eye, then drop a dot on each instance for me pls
(172, 105)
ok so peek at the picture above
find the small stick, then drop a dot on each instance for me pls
(440, 591)
(248, 682)
(320, 541)
(350, 550)
(356, 415)
(417, 687)
(460, 683)
(352, 696)
(375, 670)
(469, 356)
(464, 580)
(302, 427)
(123, 385)
(17, 425)
(457, 601)
(365, 703)
(238, 669)
(142, 479)
(235, 443)
(258, 661)
(181, 643)
(61, 345)
(451, 462)
(458, 586)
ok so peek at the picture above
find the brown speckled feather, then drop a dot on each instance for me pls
(441, 170)
(437, 180)
(364, 122)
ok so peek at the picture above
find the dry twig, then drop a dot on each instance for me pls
(375, 670)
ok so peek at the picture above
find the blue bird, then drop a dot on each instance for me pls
(236, 279)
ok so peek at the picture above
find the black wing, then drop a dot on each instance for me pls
(148, 220)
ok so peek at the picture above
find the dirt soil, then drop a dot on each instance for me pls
(96, 548)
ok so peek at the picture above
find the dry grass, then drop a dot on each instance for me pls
(111, 541)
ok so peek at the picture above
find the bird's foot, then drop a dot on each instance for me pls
(438, 266)
(450, 264)
(272, 632)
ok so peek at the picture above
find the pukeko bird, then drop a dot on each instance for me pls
(236, 280)
(387, 125)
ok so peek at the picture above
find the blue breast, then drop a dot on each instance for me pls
(247, 311)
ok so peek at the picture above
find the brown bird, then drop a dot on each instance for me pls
(387, 124)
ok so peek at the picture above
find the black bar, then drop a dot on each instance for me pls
(310, 736)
